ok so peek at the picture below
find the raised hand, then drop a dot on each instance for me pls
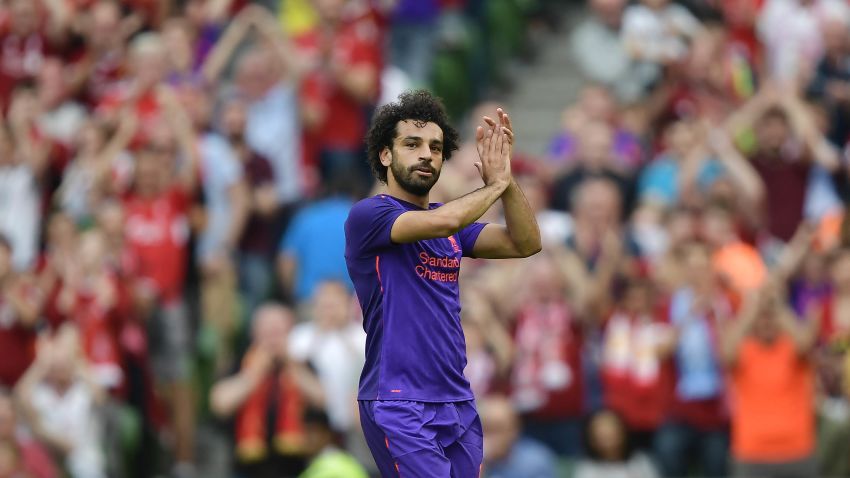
(494, 152)
(505, 122)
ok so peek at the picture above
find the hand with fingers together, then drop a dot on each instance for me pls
(495, 145)
(504, 122)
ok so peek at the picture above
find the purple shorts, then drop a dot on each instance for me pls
(427, 440)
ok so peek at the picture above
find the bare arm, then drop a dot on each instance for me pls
(127, 126)
(805, 126)
(217, 10)
(742, 173)
(598, 298)
(264, 200)
(499, 343)
(803, 334)
(239, 210)
(447, 219)
(308, 383)
(22, 114)
(59, 20)
(794, 252)
(745, 117)
(229, 394)
(182, 128)
(734, 332)
(287, 267)
(270, 30)
(520, 236)
(224, 49)
(25, 305)
(360, 82)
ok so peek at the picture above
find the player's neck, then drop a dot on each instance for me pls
(396, 191)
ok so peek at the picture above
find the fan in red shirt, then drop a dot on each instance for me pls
(547, 384)
(93, 298)
(339, 92)
(19, 312)
(102, 58)
(148, 67)
(635, 371)
(157, 234)
(24, 43)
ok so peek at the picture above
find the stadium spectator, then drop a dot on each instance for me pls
(19, 314)
(696, 417)
(226, 208)
(342, 86)
(595, 104)
(600, 52)
(739, 264)
(313, 243)
(257, 244)
(267, 78)
(790, 31)
(594, 159)
(656, 34)
(21, 169)
(334, 345)
(767, 351)
(609, 450)
(97, 303)
(637, 342)
(267, 398)
(694, 159)
(790, 151)
(546, 380)
(28, 34)
(99, 68)
(61, 402)
(157, 234)
(829, 82)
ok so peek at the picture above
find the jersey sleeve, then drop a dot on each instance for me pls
(369, 226)
(468, 235)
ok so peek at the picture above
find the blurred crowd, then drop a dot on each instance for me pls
(174, 176)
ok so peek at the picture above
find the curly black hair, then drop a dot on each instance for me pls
(417, 105)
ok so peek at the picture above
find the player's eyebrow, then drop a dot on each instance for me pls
(419, 139)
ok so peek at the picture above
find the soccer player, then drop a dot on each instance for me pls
(403, 254)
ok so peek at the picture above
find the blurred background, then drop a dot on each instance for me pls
(175, 174)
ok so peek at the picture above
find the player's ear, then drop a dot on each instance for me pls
(386, 156)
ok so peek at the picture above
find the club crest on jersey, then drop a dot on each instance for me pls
(455, 247)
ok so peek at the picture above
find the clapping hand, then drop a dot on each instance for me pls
(494, 150)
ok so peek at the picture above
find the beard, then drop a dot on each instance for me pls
(410, 181)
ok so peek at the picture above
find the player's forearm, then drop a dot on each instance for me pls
(463, 211)
(521, 220)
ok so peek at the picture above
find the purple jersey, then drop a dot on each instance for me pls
(409, 294)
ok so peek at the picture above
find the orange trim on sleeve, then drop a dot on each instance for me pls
(378, 270)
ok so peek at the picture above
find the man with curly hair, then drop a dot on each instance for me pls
(403, 254)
